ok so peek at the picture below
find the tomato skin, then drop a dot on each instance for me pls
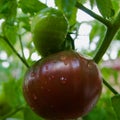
(64, 85)
(49, 30)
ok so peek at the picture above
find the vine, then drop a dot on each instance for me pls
(14, 50)
(112, 28)
(21, 45)
(111, 32)
(94, 15)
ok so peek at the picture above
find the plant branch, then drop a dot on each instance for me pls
(111, 32)
(104, 44)
(71, 41)
(21, 47)
(12, 113)
(94, 15)
(102, 49)
(110, 87)
(14, 50)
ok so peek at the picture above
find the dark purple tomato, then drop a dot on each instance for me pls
(61, 86)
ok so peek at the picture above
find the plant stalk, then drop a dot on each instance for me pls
(104, 44)
(14, 50)
(112, 29)
(92, 14)
(110, 87)
(111, 32)
(21, 47)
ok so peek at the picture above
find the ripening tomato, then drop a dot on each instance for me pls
(61, 86)
(49, 30)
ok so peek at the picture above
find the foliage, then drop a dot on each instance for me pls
(115, 102)
(17, 51)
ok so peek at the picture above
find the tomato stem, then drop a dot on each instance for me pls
(71, 41)
(104, 44)
(21, 47)
(94, 15)
(112, 29)
(14, 50)
(110, 87)
(111, 32)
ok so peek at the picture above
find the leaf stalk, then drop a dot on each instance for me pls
(14, 50)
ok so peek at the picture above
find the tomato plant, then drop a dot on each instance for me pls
(49, 29)
(64, 85)
(29, 27)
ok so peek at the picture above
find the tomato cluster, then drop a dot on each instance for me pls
(63, 84)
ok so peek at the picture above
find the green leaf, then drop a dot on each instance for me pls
(116, 5)
(118, 35)
(82, 1)
(31, 6)
(72, 19)
(116, 105)
(68, 7)
(103, 110)
(24, 22)
(8, 8)
(12, 91)
(96, 30)
(5, 46)
(9, 30)
(92, 2)
(105, 7)
(30, 115)
(75, 28)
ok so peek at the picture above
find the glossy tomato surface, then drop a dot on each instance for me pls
(49, 30)
(61, 86)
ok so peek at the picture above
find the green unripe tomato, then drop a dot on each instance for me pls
(49, 30)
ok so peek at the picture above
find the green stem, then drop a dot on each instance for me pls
(94, 15)
(14, 50)
(104, 44)
(12, 113)
(21, 47)
(112, 29)
(71, 41)
(111, 32)
(110, 87)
